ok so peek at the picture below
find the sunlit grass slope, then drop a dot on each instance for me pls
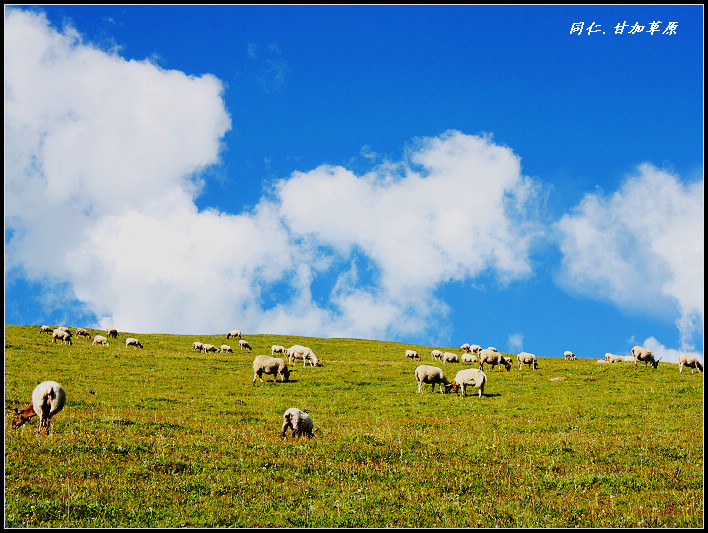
(168, 437)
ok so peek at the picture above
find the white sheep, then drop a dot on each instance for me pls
(437, 354)
(83, 332)
(48, 398)
(466, 348)
(412, 354)
(112, 332)
(691, 362)
(135, 343)
(643, 354)
(469, 358)
(276, 348)
(612, 358)
(568, 355)
(206, 348)
(46, 329)
(299, 421)
(63, 336)
(296, 352)
(243, 345)
(449, 357)
(431, 375)
(475, 348)
(265, 364)
(100, 339)
(197, 346)
(525, 358)
(492, 348)
(471, 377)
(235, 333)
(494, 358)
(225, 348)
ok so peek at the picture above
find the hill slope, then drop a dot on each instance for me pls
(169, 437)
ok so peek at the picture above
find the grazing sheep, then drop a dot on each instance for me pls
(437, 354)
(63, 336)
(46, 329)
(449, 357)
(135, 343)
(432, 375)
(412, 354)
(112, 332)
(525, 358)
(569, 355)
(493, 358)
(612, 358)
(243, 345)
(492, 348)
(276, 348)
(469, 377)
(197, 346)
(100, 339)
(691, 362)
(48, 398)
(63, 328)
(299, 421)
(643, 354)
(83, 332)
(296, 352)
(466, 348)
(469, 358)
(226, 348)
(265, 364)
(206, 348)
(475, 348)
(235, 333)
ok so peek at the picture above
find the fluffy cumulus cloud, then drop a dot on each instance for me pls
(641, 248)
(102, 173)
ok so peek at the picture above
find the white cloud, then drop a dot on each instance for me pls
(103, 170)
(515, 341)
(667, 355)
(640, 248)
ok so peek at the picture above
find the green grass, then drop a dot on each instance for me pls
(165, 437)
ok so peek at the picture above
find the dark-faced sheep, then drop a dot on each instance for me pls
(493, 358)
(691, 362)
(643, 354)
(135, 343)
(83, 332)
(412, 354)
(63, 336)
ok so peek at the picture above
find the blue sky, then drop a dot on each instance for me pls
(425, 174)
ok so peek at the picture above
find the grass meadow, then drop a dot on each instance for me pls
(167, 437)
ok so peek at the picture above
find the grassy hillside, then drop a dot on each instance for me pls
(166, 437)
